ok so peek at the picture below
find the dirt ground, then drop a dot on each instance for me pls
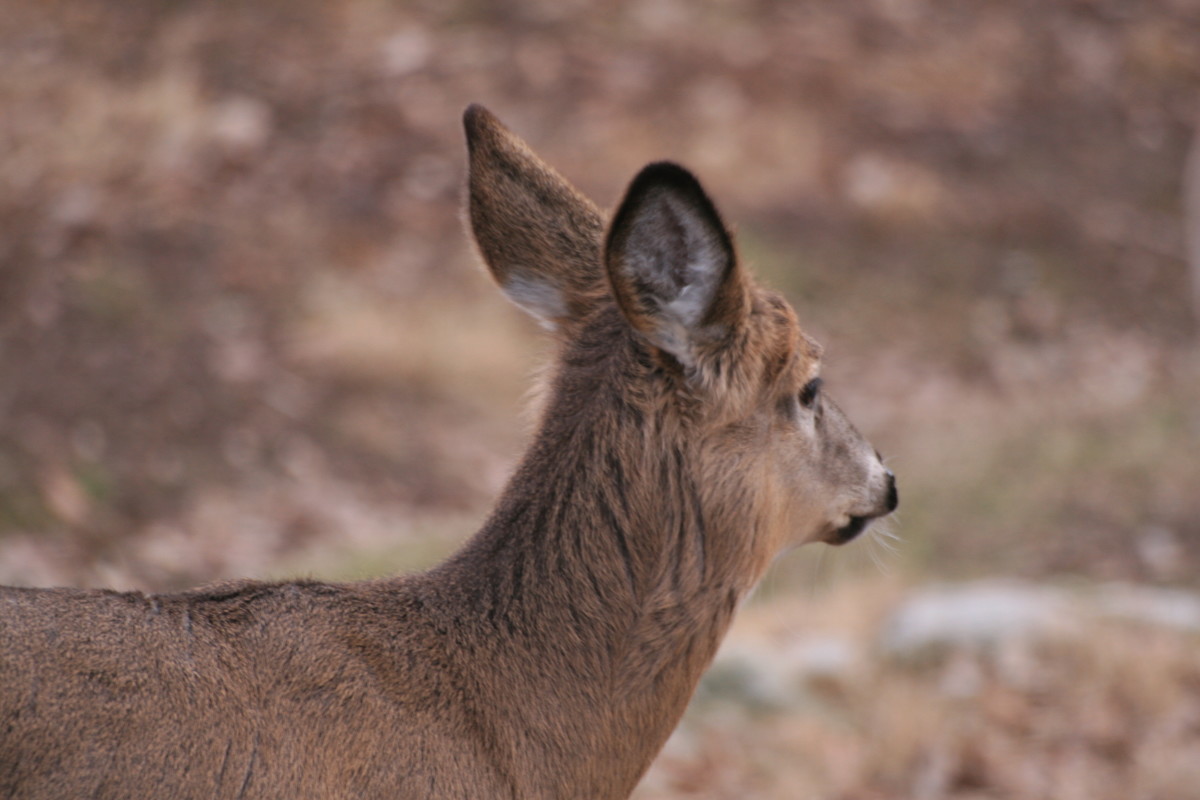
(242, 333)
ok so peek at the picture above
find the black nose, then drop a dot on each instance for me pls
(893, 498)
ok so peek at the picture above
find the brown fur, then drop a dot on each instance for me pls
(552, 656)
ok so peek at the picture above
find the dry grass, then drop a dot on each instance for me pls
(1110, 712)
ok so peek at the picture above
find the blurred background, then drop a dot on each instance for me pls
(243, 334)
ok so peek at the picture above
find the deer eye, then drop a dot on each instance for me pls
(810, 393)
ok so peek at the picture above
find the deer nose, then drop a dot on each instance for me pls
(893, 497)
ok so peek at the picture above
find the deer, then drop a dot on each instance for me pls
(685, 441)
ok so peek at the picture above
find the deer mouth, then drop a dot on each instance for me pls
(851, 530)
(859, 522)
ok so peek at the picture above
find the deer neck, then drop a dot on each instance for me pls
(610, 580)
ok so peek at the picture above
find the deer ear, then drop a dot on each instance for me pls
(539, 237)
(671, 264)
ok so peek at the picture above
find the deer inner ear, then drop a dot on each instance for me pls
(671, 264)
